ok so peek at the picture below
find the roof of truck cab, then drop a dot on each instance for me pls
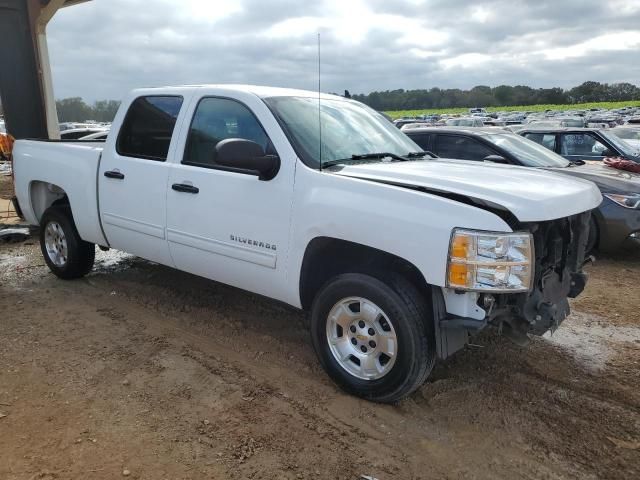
(258, 90)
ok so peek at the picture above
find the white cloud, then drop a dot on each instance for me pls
(201, 11)
(466, 60)
(480, 14)
(620, 41)
(103, 48)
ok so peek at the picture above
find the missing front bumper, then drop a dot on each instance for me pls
(560, 254)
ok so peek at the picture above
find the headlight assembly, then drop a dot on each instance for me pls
(490, 262)
(631, 200)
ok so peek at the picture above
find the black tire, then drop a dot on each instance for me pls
(412, 321)
(80, 254)
(592, 240)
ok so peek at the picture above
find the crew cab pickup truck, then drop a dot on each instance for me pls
(321, 203)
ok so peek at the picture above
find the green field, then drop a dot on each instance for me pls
(522, 108)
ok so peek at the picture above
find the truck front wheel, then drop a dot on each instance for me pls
(374, 339)
(66, 254)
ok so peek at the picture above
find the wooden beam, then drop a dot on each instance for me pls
(69, 3)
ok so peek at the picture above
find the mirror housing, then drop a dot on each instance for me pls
(495, 159)
(608, 153)
(244, 156)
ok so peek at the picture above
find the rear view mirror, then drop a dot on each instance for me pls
(495, 159)
(248, 157)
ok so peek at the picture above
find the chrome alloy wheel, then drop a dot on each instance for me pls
(361, 338)
(56, 244)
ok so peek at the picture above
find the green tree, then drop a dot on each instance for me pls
(503, 95)
(73, 110)
(76, 110)
(105, 110)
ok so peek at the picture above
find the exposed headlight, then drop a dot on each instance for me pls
(488, 261)
(627, 201)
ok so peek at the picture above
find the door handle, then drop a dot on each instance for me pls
(183, 187)
(114, 174)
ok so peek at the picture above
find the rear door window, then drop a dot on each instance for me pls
(148, 127)
(463, 148)
(547, 140)
(422, 139)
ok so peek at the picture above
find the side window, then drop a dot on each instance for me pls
(581, 144)
(422, 139)
(148, 126)
(547, 140)
(217, 119)
(463, 148)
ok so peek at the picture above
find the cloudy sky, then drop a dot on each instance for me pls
(103, 48)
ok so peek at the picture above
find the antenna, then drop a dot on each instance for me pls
(319, 111)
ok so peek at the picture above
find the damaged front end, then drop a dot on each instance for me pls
(560, 254)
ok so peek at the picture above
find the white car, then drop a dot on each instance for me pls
(323, 204)
(464, 122)
(77, 133)
(101, 135)
(630, 135)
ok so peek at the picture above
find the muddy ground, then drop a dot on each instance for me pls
(143, 371)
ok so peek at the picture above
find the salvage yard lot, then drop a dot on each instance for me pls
(517, 108)
(142, 368)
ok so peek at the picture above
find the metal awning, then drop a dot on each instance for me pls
(25, 82)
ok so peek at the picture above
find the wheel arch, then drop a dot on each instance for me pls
(326, 257)
(43, 195)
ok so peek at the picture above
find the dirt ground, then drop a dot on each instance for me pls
(141, 371)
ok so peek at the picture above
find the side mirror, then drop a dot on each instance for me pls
(607, 153)
(495, 159)
(245, 156)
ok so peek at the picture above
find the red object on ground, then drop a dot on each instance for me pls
(622, 164)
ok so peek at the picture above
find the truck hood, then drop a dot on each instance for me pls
(529, 194)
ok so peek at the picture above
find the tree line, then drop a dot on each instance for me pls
(76, 110)
(501, 96)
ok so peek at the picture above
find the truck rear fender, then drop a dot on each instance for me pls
(43, 195)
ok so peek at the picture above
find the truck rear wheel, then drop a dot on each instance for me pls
(66, 254)
(374, 339)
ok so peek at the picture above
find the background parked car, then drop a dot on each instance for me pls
(630, 135)
(616, 220)
(582, 144)
(465, 122)
(76, 133)
(96, 136)
(401, 122)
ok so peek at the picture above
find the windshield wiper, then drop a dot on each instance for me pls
(366, 156)
(341, 161)
(355, 158)
(363, 156)
(421, 154)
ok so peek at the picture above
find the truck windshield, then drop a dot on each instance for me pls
(347, 128)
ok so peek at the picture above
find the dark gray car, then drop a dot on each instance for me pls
(584, 144)
(614, 222)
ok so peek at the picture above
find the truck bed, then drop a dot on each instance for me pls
(46, 168)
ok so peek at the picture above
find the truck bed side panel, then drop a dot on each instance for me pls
(70, 166)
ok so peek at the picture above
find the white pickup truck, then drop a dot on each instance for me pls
(319, 202)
